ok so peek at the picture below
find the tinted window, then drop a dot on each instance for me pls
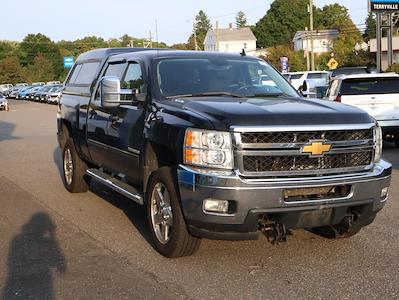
(317, 76)
(370, 86)
(86, 73)
(115, 70)
(75, 73)
(220, 75)
(349, 71)
(133, 78)
(296, 76)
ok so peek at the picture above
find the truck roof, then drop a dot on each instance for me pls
(367, 76)
(102, 53)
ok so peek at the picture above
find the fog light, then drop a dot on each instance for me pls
(384, 193)
(216, 206)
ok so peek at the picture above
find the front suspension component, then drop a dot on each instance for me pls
(275, 233)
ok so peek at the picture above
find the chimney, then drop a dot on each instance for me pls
(231, 26)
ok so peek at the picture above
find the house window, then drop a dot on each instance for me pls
(245, 46)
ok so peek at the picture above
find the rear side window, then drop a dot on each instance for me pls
(370, 86)
(318, 76)
(84, 73)
(296, 76)
(115, 70)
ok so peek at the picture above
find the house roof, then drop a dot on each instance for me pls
(233, 34)
(325, 33)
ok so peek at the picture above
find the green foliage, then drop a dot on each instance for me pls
(394, 68)
(201, 26)
(33, 44)
(371, 28)
(7, 49)
(241, 20)
(41, 69)
(297, 61)
(280, 23)
(11, 70)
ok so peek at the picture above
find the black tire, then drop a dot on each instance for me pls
(181, 242)
(76, 183)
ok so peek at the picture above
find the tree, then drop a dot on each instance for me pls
(295, 59)
(281, 22)
(7, 49)
(241, 20)
(41, 69)
(371, 28)
(201, 26)
(33, 44)
(11, 70)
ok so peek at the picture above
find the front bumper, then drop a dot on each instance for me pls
(253, 199)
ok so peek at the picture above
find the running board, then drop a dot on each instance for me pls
(116, 185)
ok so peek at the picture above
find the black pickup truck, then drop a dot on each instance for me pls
(218, 146)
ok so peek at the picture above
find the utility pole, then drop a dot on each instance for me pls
(195, 38)
(311, 34)
(307, 52)
(150, 40)
(217, 36)
(156, 32)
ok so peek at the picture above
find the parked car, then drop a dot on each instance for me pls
(3, 102)
(54, 95)
(211, 154)
(5, 87)
(21, 92)
(32, 92)
(377, 94)
(53, 83)
(352, 71)
(40, 95)
(318, 77)
(22, 84)
(38, 83)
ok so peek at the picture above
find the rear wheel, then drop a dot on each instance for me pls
(167, 225)
(74, 169)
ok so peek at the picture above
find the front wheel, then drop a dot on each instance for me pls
(74, 169)
(167, 225)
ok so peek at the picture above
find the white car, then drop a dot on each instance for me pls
(377, 94)
(298, 78)
(5, 87)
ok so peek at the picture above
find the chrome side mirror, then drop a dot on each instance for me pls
(110, 92)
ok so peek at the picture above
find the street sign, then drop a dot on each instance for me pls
(68, 62)
(332, 64)
(384, 6)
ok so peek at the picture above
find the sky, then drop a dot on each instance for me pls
(73, 19)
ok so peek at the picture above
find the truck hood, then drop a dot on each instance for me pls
(227, 112)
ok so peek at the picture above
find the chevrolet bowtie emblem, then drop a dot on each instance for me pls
(316, 148)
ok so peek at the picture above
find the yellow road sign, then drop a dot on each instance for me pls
(332, 64)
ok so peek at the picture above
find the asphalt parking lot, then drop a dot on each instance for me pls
(95, 245)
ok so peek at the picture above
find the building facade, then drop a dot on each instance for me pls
(323, 40)
(384, 57)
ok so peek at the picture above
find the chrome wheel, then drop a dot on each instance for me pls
(68, 166)
(161, 213)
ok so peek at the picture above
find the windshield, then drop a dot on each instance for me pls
(241, 77)
(370, 86)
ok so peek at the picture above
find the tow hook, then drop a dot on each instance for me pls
(275, 233)
(346, 224)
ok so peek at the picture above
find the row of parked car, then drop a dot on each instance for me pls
(376, 93)
(50, 92)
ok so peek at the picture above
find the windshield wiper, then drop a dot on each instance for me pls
(206, 95)
(268, 95)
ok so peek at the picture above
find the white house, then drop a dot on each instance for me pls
(231, 40)
(384, 58)
(323, 40)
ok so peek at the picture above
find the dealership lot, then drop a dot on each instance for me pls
(102, 226)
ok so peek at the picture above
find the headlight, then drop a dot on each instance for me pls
(208, 149)
(378, 141)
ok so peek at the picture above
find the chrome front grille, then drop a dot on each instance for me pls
(281, 152)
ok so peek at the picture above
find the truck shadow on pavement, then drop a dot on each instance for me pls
(33, 255)
(6, 130)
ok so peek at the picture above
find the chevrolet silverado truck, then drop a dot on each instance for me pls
(214, 152)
